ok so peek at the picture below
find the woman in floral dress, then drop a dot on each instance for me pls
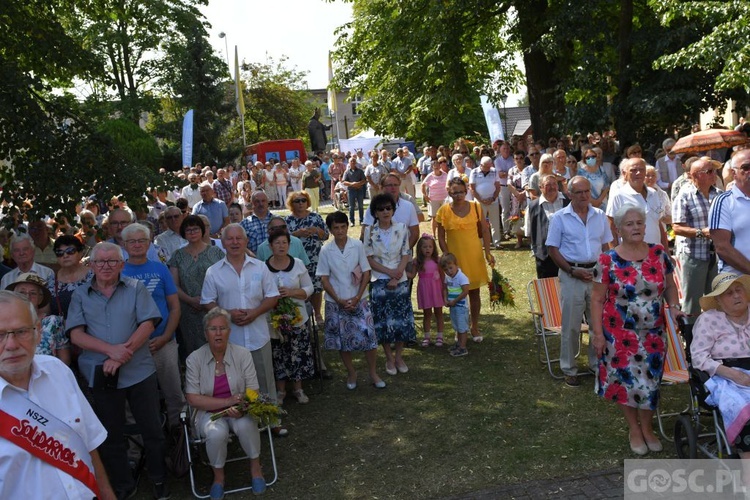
(627, 324)
(309, 227)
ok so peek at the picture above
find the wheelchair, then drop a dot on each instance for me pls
(700, 427)
(196, 454)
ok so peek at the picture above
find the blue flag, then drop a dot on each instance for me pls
(187, 139)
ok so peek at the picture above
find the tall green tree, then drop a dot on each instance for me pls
(192, 76)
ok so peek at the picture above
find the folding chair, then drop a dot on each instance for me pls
(196, 448)
(675, 365)
(546, 312)
(677, 275)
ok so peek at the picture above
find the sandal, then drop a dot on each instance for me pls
(426, 342)
(439, 342)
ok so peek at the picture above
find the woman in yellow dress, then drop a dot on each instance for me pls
(457, 233)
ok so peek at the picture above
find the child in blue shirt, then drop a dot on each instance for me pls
(454, 292)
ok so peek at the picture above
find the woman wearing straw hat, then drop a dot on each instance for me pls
(721, 347)
(53, 340)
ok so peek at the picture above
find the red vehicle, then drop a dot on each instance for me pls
(281, 150)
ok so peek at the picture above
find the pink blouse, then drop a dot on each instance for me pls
(716, 338)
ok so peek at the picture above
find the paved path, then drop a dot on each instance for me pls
(596, 485)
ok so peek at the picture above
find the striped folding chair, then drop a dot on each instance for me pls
(546, 313)
(677, 275)
(675, 364)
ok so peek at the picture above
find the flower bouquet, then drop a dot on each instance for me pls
(260, 407)
(284, 316)
(501, 292)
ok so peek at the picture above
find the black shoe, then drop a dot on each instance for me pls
(161, 491)
(572, 381)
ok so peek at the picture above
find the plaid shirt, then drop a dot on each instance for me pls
(256, 230)
(223, 191)
(690, 208)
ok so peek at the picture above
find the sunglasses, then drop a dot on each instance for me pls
(299, 200)
(745, 167)
(384, 209)
(67, 251)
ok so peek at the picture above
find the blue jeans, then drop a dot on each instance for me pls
(358, 196)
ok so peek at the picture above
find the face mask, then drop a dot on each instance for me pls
(591, 162)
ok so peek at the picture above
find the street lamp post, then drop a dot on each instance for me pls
(226, 49)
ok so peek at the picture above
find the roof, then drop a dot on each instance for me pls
(513, 117)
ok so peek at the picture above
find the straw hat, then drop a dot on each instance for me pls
(719, 285)
(34, 279)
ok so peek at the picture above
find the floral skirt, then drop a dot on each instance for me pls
(293, 359)
(393, 312)
(631, 367)
(349, 331)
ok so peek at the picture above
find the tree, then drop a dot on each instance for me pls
(51, 155)
(193, 77)
(421, 73)
(277, 104)
(125, 37)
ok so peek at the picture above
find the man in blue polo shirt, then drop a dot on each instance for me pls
(213, 208)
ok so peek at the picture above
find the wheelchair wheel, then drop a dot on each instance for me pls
(685, 438)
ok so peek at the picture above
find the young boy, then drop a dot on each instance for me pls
(454, 292)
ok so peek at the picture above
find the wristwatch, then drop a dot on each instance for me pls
(699, 234)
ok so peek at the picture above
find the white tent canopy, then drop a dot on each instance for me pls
(365, 140)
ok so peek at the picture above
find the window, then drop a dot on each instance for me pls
(356, 101)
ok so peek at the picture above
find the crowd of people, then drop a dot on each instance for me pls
(185, 300)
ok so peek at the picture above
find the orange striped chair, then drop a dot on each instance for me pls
(675, 364)
(546, 312)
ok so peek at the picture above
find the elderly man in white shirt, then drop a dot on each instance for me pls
(40, 393)
(170, 240)
(668, 167)
(636, 192)
(245, 287)
(22, 251)
(485, 188)
(577, 235)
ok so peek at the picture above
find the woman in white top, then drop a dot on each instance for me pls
(345, 273)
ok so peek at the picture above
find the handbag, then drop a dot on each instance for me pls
(178, 458)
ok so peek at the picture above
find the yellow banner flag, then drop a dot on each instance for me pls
(331, 92)
(238, 86)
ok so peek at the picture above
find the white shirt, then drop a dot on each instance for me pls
(731, 211)
(455, 173)
(652, 205)
(405, 213)
(43, 271)
(241, 291)
(339, 266)
(579, 242)
(484, 184)
(192, 196)
(52, 386)
(170, 242)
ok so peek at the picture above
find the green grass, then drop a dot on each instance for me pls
(449, 426)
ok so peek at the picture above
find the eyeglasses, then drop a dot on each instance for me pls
(172, 217)
(192, 229)
(217, 329)
(122, 223)
(106, 262)
(709, 171)
(745, 167)
(67, 251)
(139, 241)
(299, 200)
(386, 208)
(21, 334)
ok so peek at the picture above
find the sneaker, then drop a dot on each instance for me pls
(572, 381)
(161, 492)
(301, 397)
(459, 351)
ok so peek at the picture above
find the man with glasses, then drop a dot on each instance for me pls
(111, 319)
(162, 344)
(118, 220)
(213, 208)
(406, 208)
(536, 226)
(256, 224)
(578, 234)
(693, 246)
(729, 219)
(22, 252)
(44, 387)
(170, 240)
(531, 169)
